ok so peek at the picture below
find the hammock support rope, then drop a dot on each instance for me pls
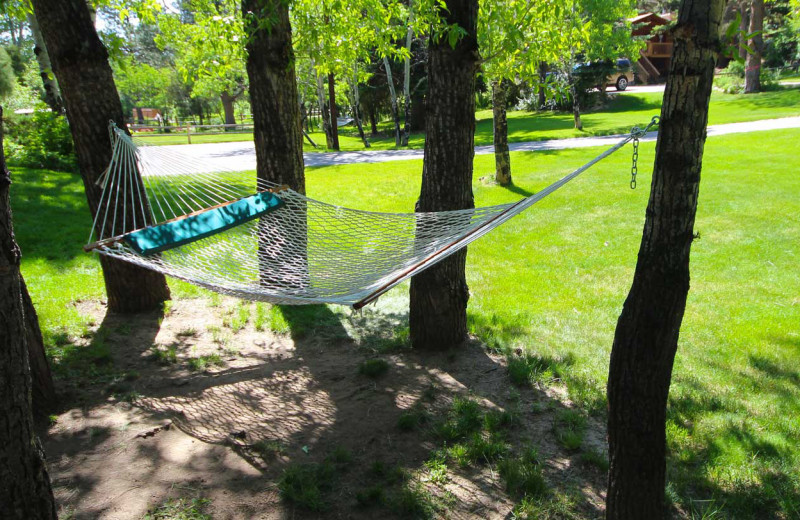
(253, 239)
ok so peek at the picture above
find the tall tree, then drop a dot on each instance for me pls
(80, 63)
(752, 69)
(25, 491)
(52, 96)
(438, 314)
(646, 338)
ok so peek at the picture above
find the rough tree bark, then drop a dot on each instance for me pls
(277, 127)
(502, 158)
(25, 491)
(438, 313)
(334, 113)
(228, 107)
(393, 98)
(80, 63)
(647, 332)
(52, 96)
(752, 67)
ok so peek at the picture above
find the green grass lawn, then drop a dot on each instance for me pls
(553, 281)
(623, 112)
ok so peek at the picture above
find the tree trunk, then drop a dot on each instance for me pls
(228, 108)
(80, 63)
(744, 23)
(52, 96)
(277, 127)
(502, 159)
(407, 77)
(576, 106)
(25, 491)
(752, 69)
(541, 96)
(393, 98)
(43, 390)
(373, 122)
(323, 110)
(438, 313)
(356, 104)
(647, 332)
(334, 113)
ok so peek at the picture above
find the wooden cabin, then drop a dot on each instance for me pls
(654, 60)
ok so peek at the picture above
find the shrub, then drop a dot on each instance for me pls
(41, 140)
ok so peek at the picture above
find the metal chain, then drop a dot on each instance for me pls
(636, 133)
(635, 166)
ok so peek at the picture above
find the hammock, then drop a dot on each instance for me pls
(164, 210)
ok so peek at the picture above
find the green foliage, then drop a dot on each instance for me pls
(569, 428)
(305, 485)
(464, 418)
(412, 419)
(165, 355)
(523, 475)
(41, 140)
(203, 362)
(596, 458)
(373, 368)
(8, 79)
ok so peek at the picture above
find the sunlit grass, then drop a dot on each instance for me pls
(552, 282)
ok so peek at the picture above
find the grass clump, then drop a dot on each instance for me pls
(412, 419)
(269, 450)
(237, 318)
(529, 369)
(569, 427)
(305, 484)
(464, 418)
(373, 368)
(203, 362)
(180, 509)
(371, 496)
(596, 458)
(413, 501)
(164, 355)
(523, 475)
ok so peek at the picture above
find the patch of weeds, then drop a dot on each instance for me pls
(413, 501)
(219, 336)
(52, 420)
(437, 468)
(262, 316)
(478, 449)
(389, 475)
(277, 321)
(339, 455)
(269, 450)
(587, 394)
(373, 368)
(499, 420)
(569, 428)
(124, 329)
(180, 509)
(167, 307)
(552, 506)
(238, 317)
(231, 351)
(305, 485)
(131, 375)
(164, 355)
(372, 496)
(529, 369)
(463, 418)
(188, 332)
(130, 397)
(523, 476)
(203, 362)
(215, 300)
(596, 458)
(538, 407)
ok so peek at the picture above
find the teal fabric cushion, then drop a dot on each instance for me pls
(155, 239)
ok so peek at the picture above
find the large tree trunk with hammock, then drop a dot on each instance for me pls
(438, 314)
(502, 158)
(646, 338)
(80, 63)
(752, 69)
(278, 131)
(25, 491)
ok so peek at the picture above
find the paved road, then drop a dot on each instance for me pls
(241, 156)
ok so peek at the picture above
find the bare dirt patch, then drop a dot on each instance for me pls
(200, 408)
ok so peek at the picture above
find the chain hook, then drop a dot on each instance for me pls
(636, 133)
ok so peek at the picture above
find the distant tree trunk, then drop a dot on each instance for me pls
(744, 24)
(52, 96)
(139, 115)
(752, 69)
(334, 113)
(502, 159)
(228, 108)
(407, 78)
(438, 313)
(356, 105)
(393, 98)
(373, 122)
(80, 63)
(323, 109)
(25, 491)
(646, 338)
(541, 97)
(277, 131)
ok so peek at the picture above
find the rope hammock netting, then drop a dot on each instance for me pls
(229, 232)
